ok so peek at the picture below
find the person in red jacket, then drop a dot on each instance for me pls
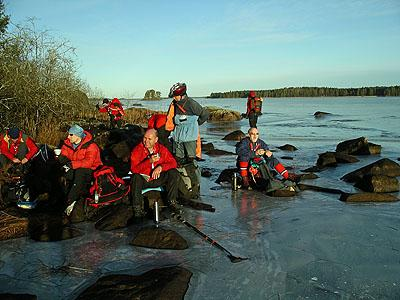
(16, 148)
(157, 121)
(153, 165)
(114, 110)
(80, 156)
(254, 106)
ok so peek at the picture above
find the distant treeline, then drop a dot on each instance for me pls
(380, 91)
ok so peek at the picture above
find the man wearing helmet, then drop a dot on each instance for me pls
(183, 119)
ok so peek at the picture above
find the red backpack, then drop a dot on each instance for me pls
(107, 188)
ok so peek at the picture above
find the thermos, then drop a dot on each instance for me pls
(96, 197)
(234, 182)
(156, 211)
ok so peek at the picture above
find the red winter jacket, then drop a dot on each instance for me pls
(254, 105)
(140, 162)
(10, 149)
(157, 121)
(86, 155)
(113, 108)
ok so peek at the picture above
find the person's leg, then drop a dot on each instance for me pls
(190, 150)
(80, 184)
(179, 152)
(253, 120)
(137, 185)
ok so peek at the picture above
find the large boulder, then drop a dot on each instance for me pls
(220, 114)
(159, 238)
(378, 184)
(236, 135)
(359, 146)
(166, 283)
(287, 147)
(383, 166)
(344, 158)
(327, 159)
(368, 197)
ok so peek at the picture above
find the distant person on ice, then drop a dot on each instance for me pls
(114, 110)
(255, 161)
(183, 119)
(254, 106)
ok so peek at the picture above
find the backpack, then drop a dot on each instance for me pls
(107, 188)
(190, 175)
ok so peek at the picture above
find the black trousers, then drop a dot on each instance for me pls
(78, 183)
(253, 117)
(168, 179)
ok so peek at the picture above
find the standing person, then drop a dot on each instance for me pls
(17, 148)
(253, 150)
(183, 119)
(254, 106)
(80, 156)
(114, 110)
(153, 165)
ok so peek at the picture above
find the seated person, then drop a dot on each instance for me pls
(153, 165)
(16, 148)
(80, 157)
(252, 154)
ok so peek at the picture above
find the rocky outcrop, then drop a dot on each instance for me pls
(359, 146)
(378, 184)
(166, 283)
(320, 114)
(383, 166)
(236, 135)
(219, 114)
(331, 159)
(367, 197)
(287, 147)
(159, 238)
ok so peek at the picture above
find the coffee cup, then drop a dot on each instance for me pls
(57, 152)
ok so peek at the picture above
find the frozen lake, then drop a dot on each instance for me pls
(311, 246)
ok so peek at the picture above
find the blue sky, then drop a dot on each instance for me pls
(125, 47)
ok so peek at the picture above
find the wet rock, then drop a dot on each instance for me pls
(320, 114)
(282, 193)
(12, 227)
(287, 147)
(311, 169)
(197, 205)
(287, 157)
(226, 175)
(359, 146)
(368, 197)
(236, 135)
(206, 173)
(378, 184)
(217, 152)
(345, 158)
(383, 166)
(159, 238)
(220, 114)
(305, 187)
(119, 216)
(8, 296)
(308, 176)
(207, 147)
(370, 149)
(327, 159)
(166, 283)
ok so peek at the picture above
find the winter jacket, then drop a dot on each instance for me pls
(86, 155)
(157, 121)
(113, 108)
(10, 149)
(254, 105)
(140, 159)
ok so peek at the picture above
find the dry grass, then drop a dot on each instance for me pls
(12, 227)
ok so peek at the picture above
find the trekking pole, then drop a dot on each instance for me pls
(233, 259)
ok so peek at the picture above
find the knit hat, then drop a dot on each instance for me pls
(13, 132)
(77, 130)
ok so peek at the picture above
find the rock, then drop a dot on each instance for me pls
(166, 283)
(8, 296)
(220, 114)
(368, 197)
(287, 157)
(197, 205)
(287, 147)
(120, 216)
(304, 187)
(345, 158)
(12, 227)
(159, 238)
(308, 176)
(319, 114)
(206, 173)
(383, 166)
(351, 146)
(217, 152)
(207, 147)
(312, 169)
(282, 193)
(378, 184)
(327, 159)
(226, 175)
(236, 135)
(370, 149)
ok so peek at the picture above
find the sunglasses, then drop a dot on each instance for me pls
(70, 134)
(254, 133)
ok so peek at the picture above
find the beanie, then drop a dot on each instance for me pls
(13, 132)
(77, 130)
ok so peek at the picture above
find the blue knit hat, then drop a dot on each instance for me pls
(13, 132)
(77, 130)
